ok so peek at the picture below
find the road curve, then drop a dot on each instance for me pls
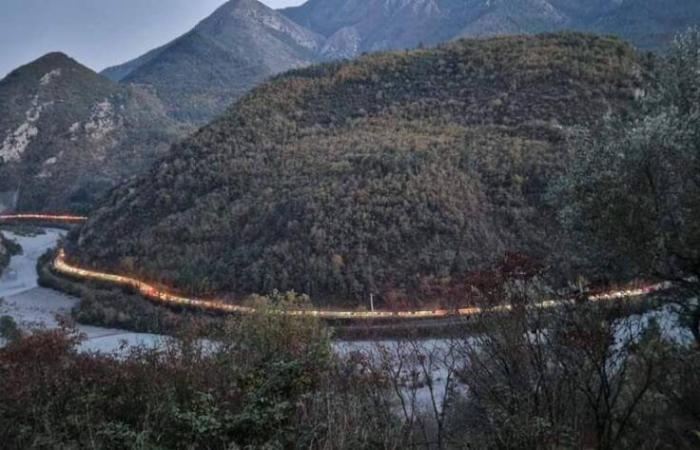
(35, 308)
(168, 297)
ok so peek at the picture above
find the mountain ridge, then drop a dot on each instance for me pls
(243, 43)
(199, 74)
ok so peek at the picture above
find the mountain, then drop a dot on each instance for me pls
(396, 173)
(355, 26)
(244, 42)
(201, 73)
(68, 134)
(650, 24)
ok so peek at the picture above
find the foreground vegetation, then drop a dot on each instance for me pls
(586, 376)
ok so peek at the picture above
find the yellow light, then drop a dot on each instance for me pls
(165, 297)
(46, 217)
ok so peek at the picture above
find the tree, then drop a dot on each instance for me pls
(9, 329)
(632, 197)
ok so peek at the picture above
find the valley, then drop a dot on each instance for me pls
(356, 224)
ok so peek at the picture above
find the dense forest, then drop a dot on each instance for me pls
(395, 174)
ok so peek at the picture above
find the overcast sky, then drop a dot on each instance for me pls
(97, 33)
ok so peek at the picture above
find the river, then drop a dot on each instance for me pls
(34, 307)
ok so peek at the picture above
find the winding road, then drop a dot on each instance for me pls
(168, 297)
(34, 307)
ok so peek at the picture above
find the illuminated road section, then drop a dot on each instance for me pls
(167, 298)
(44, 217)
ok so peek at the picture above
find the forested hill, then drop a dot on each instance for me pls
(396, 173)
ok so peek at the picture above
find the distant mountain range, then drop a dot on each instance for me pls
(352, 26)
(68, 134)
(244, 42)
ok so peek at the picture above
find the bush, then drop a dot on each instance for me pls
(8, 328)
(250, 389)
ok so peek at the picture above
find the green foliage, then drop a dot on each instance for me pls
(249, 389)
(387, 173)
(633, 196)
(9, 329)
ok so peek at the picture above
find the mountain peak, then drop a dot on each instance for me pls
(261, 19)
(203, 71)
(55, 57)
(233, 5)
(68, 134)
(49, 67)
(58, 60)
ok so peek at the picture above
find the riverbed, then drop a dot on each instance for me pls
(34, 307)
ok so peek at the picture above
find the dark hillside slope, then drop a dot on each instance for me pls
(391, 174)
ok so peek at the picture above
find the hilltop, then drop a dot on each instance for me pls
(396, 173)
(68, 134)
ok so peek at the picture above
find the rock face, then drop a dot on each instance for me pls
(240, 45)
(391, 24)
(7, 249)
(68, 134)
(395, 173)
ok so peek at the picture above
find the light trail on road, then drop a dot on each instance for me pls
(168, 298)
(44, 217)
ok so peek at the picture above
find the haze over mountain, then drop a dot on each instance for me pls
(389, 174)
(68, 134)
